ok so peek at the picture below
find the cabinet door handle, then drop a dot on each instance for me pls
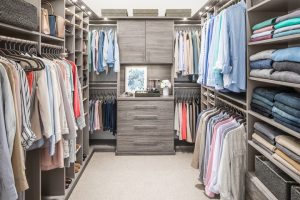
(144, 127)
(146, 117)
(139, 107)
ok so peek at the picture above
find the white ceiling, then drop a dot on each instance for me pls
(162, 5)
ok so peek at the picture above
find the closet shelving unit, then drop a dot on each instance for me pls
(207, 97)
(51, 184)
(259, 12)
(102, 83)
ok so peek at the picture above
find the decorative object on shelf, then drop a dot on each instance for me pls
(19, 13)
(165, 85)
(135, 79)
(52, 19)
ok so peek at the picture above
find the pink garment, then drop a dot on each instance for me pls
(268, 28)
(52, 162)
(210, 158)
(262, 38)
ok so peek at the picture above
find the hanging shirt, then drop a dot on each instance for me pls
(117, 54)
(110, 49)
(176, 55)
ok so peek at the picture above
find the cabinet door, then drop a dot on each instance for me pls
(132, 41)
(159, 41)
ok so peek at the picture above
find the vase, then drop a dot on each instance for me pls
(165, 91)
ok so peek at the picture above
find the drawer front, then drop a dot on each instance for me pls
(130, 110)
(146, 127)
(145, 144)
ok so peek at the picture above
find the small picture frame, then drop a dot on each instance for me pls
(135, 78)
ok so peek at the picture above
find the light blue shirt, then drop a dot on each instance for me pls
(111, 48)
(289, 54)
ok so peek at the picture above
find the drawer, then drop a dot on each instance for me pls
(130, 110)
(132, 144)
(154, 127)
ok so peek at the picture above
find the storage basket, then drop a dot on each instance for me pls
(19, 13)
(273, 178)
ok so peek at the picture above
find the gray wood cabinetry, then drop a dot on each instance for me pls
(145, 127)
(146, 41)
(159, 41)
(132, 41)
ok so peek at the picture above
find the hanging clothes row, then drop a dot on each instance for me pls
(220, 152)
(103, 113)
(222, 61)
(186, 53)
(103, 51)
(187, 108)
(40, 107)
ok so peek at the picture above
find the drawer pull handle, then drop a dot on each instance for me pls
(143, 127)
(145, 117)
(145, 107)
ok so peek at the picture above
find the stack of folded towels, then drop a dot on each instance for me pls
(288, 152)
(263, 100)
(264, 136)
(284, 148)
(277, 27)
(286, 110)
(281, 65)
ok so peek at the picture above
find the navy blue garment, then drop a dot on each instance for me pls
(261, 64)
(287, 125)
(268, 93)
(287, 109)
(52, 23)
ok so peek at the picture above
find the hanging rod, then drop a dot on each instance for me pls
(226, 5)
(104, 25)
(16, 40)
(188, 25)
(52, 46)
(231, 104)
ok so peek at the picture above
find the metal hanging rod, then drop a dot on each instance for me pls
(103, 25)
(187, 25)
(230, 104)
(16, 40)
(226, 5)
(52, 46)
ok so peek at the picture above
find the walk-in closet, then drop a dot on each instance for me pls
(152, 100)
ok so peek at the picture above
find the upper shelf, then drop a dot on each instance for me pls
(16, 29)
(235, 97)
(280, 83)
(275, 6)
(280, 40)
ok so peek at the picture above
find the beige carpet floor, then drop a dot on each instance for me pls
(110, 177)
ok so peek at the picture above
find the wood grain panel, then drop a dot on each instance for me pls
(145, 144)
(159, 41)
(132, 40)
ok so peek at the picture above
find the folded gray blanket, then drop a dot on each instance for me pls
(287, 66)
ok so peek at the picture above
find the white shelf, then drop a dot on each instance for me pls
(275, 124)
(49, 38)
(269, 5)
(274, 161)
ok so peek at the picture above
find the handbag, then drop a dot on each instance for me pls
(60, 26)
(45, 22)
(52, 19)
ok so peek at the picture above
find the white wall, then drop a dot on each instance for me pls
(162, 5)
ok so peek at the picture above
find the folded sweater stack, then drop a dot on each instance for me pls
(284, 148)
(263, 100)
(281, 65)
(277, 27)
(286, 110)
(288, 152)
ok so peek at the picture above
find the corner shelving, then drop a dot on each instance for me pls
(264, 10)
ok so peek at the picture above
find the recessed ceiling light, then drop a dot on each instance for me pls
(74, 1)
(184, 18)
(82, 7)
(105, 18)
(207, 7)
(200, 13)
(89, 12)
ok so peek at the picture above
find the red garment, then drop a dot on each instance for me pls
(262, 38)
(30, 78)
(184, 122)
(76, 99)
